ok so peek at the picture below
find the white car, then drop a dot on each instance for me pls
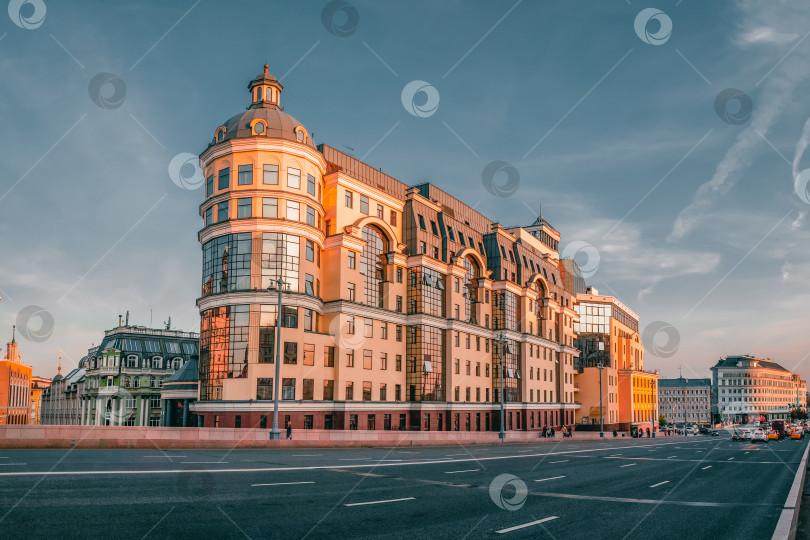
(759, 436)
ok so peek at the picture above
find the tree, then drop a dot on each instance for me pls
(798, 413)
(662, 421)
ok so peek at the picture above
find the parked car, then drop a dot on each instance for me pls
(759, 436)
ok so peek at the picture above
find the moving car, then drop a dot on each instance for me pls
(797, 434)
(759, 436)
(736, 436)
(715, 433)
(773, 436)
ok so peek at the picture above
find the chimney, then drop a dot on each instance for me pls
(119, 321)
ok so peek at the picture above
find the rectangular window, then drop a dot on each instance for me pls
(309, 355)
(350, 325)
(421, 222)
(367, 358)
(222, 211)
(309, 320)
(398, 362)
(243, 208)
(310, 216)
(308, 389)
(353, 421)
(308, 419)
(209, 216)
(368, 327)
(270, 175)
(328, 390)
(293, 211)
(309, 284)
(245, 175)
(310, 184)
(384, 330)
(349, 359)
(270, 207)
(351, 293)
(363, 204)
(380, 211)
(310, 250)
(398, 394)
(293, 178)
(263, 421)
(399, 274)
(434, 228)
(290, 352)
(450, 234)
(348, 200)
(288, 389)
(264, 389)
(399, 332)
(372, 422)
(366, 390)
(224, 179)
(422, 248)
(461, 239)
(393, 218)
(237, 421)
(209, 186)
(352, 260)
(383, 360)
(329, 356)
(350, 392)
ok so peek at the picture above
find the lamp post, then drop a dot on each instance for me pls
(280, 286)
(601, 366)
(501, 343)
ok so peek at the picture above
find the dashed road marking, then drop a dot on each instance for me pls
(518, 527)
(381, 502)
(660, 483)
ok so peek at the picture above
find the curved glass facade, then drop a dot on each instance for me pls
(281, 257)
(226, 264)
(372, 265)
(223, 347)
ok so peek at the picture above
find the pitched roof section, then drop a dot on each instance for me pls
(746, 361)
(680, 381)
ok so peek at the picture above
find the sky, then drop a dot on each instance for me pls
(666, 142)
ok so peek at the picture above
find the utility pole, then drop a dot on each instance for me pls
(683, 388)
(600, 366)
(501, 344)
(277, 284)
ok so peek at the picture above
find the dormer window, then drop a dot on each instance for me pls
(219, 136)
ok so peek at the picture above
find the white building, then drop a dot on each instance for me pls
(685, 400)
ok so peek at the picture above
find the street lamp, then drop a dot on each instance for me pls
(601, 366)
(280, 286)
(501, 339)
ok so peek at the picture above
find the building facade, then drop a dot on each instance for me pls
(607, 336)
(685, 400)
(38, 384)
(15, 385)
(62, 400)
(396, 297)
(746, 388)
(125, 374)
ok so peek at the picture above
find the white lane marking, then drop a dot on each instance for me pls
(457, 472)
(704, 468)
(381, 502)
(165, 456)
(207, 462)
(628, 465)
(306, 455)
(518, 527)
(611, 455)
(670, 457)
(660, 483)
(354, 459)
(281, 484)
(561, 461)
(729, 459)
(12, 464)
(389, 460)
(320, 467)
(746, 452)
(552, 478)
(453, 455)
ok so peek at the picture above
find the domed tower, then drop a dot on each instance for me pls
(262, 220)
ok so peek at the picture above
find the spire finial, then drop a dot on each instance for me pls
(59, 368)
(13, 333)
(266, 68)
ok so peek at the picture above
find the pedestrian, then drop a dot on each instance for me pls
(648, 433)
(289, 430)
(615, 433)
(552, 432)
(545, 432)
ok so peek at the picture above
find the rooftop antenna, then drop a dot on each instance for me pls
(127, 319)
(168, 323)
(59, 367)
(119, 320)
(150, 317)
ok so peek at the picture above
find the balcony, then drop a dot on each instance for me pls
(108, 370)
(108, 390)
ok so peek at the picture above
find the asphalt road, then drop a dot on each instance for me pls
(695, 487)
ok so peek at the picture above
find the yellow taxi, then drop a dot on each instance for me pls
(797, 434)
(773, 436)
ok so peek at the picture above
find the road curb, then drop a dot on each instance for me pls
(786, 526)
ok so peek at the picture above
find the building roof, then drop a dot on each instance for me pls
(189, 373)
(681, 381)
(747, 361)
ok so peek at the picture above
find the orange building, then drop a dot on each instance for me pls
(15, 386)
(607, 335)
(38, 384)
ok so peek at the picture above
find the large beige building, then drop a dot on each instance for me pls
(746, 388)
(685, 400)
(397, 293)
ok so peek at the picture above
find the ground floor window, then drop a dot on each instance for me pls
(237, 422)
(327, 422)
(387, 422)
(154, 421)
(372, 422)
(308, 421)
(263, 421)
(352, 421)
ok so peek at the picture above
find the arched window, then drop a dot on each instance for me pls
(470, 288)
(151, 382)
(127, 382)
(372, 264)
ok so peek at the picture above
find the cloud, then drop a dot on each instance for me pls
(766, 35)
